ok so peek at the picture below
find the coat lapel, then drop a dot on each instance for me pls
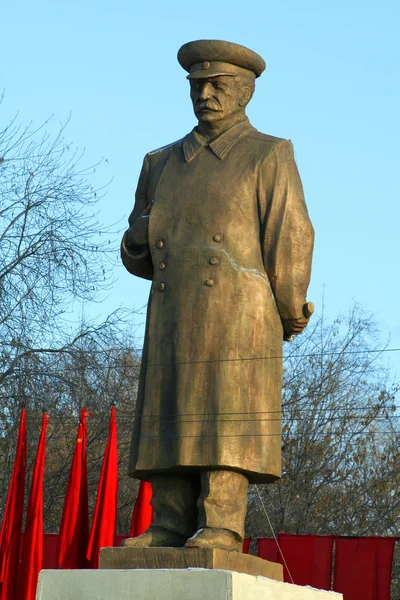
(194, 142)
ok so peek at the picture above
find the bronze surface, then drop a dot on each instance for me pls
(204, 509)
(183, 558)
(220, 226)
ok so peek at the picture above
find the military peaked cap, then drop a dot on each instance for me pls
(209, 58)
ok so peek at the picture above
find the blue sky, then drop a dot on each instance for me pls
(331, 86)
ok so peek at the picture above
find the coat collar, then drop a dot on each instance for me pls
(194, 142)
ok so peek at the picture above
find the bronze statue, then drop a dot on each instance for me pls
(221, 228)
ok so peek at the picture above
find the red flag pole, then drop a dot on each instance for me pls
(11, 529)
(142, 516)
(104, 530)
(32, 551)
(74, 529)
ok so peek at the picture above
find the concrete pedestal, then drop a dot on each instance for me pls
(174, 584)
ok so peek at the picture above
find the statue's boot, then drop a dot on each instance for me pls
(222, 506)
(212, 537)
(175, 512)
(158, 537)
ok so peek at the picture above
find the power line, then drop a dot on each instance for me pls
(252, 412)
(210, 361)
(211, 417)
(71, 350)
(383, 413)
(280, 357)
(212, 436)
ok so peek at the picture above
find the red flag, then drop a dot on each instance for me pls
(74, 529)
(10, 535)
(104, 530)
(142, 516)
(32, 551)
(363, 567)
(308, 559)
(267, 548)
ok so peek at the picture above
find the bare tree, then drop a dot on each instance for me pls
(53, 250)
(340, 442)
(55, 255)
(92, 377)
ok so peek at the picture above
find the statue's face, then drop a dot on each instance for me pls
(216, 98)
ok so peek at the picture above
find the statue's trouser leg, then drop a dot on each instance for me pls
(174, 502)
(222, 502)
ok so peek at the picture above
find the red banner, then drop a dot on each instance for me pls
(74, 529)
(308, 559)
(32, 551)
(10, 544)
(267, 549)
(103, 532)
(363, 567)
(142, 516)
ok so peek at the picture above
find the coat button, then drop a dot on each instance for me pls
(217, 237)
(160, 244)
(209, 282)
(213, 260)
(161, 266)
(161, 287)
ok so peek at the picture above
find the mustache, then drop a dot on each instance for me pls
(207, 106)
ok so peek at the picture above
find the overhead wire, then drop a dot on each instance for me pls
(216, 419)
(218, 436)
(283, 357)
(170, 418)
(273, 533)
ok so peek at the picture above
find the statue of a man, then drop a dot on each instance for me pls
(221, 228)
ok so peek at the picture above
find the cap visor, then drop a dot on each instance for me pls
(206, 74)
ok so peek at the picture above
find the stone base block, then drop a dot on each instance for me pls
(183, 558)
(175, 584)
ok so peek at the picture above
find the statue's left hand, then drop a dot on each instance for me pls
(293, 327)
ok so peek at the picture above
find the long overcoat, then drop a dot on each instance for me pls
(229, 256)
